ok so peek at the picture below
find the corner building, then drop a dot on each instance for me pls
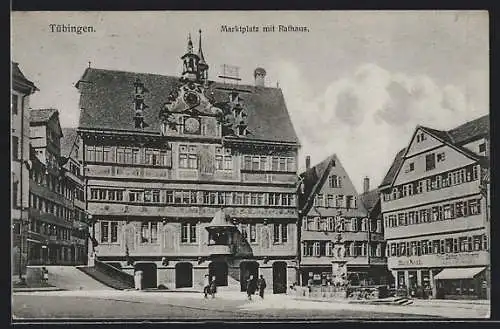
(187, 177)
(21, 91)
(435, 204)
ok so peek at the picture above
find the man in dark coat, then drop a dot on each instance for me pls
(251, 287)
(262, 285)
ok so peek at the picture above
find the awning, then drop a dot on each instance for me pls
(458, 273)
(34, 241)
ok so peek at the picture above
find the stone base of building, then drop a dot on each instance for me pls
(421, 283)
(193, 273)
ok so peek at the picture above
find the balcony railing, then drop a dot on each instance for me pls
(219, 249)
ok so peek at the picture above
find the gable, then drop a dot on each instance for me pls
(450, 159)
(107, 102)
(346, 185)
(422, 141)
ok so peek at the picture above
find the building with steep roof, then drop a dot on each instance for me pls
(21, 90)
(341, 232)
(435, 206)
(162, 154)
(57, 233)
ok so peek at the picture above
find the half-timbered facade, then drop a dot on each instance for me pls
(341, 237)
(435, 208)
(187, 177)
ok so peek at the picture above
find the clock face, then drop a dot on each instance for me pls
(192, 126)
(191, 99)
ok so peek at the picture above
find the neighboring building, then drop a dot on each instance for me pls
(70, 155)
(435, 212)
(169, 161)
(341, 240)
(21, 90)
(51, 195)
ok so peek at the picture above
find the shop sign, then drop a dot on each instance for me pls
(462, 259)
(409, 261)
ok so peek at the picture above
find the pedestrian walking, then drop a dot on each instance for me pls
(206, 288)
(261, 285)
(45, 275)
(213, 287)
(251, 287)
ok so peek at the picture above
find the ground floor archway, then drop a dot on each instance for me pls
(279, 277)
(248, 268)
(219, 270)
(183, 275)
(148, 274)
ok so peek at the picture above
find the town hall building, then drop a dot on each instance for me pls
(187, 177)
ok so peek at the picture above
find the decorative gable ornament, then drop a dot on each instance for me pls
(139, 105)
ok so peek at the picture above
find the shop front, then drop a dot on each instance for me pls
(461, 283)
(316, 275)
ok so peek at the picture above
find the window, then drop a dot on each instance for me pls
(474, 207)
(349, 201)
(253, 232)
(335, 181)
(15, 187)
(330, 224)
(430, 161)
(280, 233)
(411, 166)
(156, 196)
(441, 157)
(104, 231)
(15, 148)
(316, 249)
(482, 147)
(307, 248)
(329, 249)
(15, 104)
(188, 232)
(188, 157)
(135, 196)
(114, 232)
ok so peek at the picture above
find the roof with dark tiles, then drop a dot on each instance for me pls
(370, 199)
(17, 75)
(67, 141)
(41, 115)
(455, 137)
(107, 96)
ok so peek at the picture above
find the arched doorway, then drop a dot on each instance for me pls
(247, 269)
(183, 275)
(218, 269)
(279, 277)
(148, 274)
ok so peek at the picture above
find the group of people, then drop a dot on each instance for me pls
(252, 286)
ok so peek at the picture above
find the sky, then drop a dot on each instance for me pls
(356, 84)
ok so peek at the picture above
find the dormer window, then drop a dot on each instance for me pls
(421, 137)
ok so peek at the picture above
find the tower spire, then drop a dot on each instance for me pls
(190, 44)
(200, 50)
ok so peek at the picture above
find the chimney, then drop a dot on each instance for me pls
(259, 74)
(366, 185)
(308, 162)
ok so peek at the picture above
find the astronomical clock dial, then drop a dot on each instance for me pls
(191, 99)
(192, 126)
